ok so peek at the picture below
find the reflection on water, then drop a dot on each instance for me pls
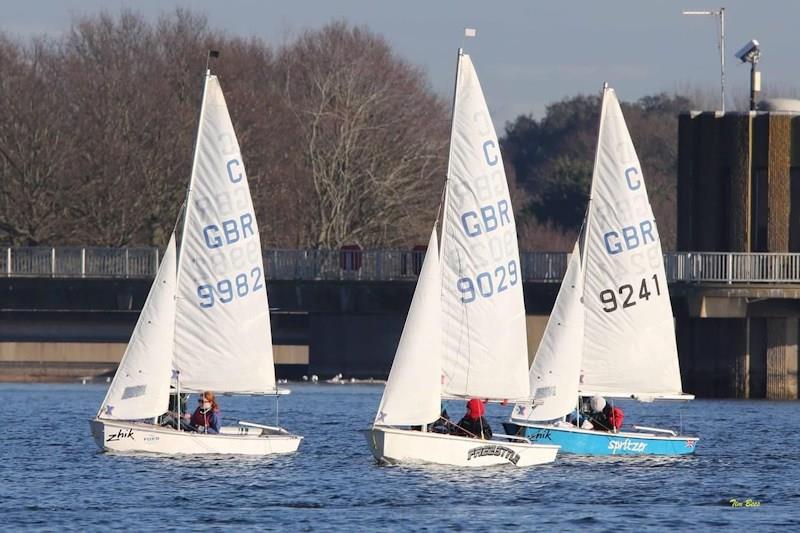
(55, 478)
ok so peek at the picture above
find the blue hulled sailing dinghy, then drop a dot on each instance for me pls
(611, 332)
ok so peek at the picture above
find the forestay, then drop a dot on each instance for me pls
(484, 317)
(556, 366)
(413, 391)
(141, 385)
(222, 330)
(630, 336)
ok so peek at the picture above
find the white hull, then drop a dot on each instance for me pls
(392, 445)
(123, 436)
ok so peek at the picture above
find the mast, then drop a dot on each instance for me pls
(443, 205)
(187, 202)
(588, 218)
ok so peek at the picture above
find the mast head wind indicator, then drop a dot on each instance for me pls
(468, 33)
(211, 54)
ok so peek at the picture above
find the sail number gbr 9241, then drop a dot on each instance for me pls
(629, 295)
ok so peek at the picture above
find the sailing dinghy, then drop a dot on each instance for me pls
(611, 332)
(205, 324)
(464, 335)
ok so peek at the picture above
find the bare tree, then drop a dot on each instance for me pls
(343, 141)
(372, 136)
(34, 151)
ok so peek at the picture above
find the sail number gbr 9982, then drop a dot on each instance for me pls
(627, 294)
(487, 284)
(225, 290)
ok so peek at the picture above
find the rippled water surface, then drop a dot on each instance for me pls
(53, 476)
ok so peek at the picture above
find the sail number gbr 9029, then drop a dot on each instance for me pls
(626, 293)
(487, 284)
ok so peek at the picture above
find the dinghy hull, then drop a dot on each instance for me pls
(589, 442)
(402, 446)
(134, 437)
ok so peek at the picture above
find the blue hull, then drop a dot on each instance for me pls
(588, 442)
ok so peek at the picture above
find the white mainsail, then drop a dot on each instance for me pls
(556, 367)
(413, 391)
(140, 388)
(485, 345)
(629, 346)
(222, 328)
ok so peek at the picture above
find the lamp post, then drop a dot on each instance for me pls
(750, 53)
(721, 14)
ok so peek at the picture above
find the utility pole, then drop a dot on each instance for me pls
(721, 44)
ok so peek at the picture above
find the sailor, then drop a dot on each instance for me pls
(604, 416)
(580, 417)
(171, 418)
(614, 417)
(474, 424)
(442, 424)
(205, 418)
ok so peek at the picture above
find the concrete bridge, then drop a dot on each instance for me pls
(68, 312)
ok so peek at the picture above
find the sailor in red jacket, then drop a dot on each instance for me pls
(604, 416)
(474, 424)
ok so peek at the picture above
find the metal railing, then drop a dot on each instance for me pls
(384, 265)
(77, 262)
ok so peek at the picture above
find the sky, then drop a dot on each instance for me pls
(528, 53)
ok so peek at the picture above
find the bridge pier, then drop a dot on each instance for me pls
(781, 359)
(738, 342)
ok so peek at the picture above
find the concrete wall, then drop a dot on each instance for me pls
(739, 191)
(56, 361)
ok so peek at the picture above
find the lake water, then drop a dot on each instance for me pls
(54, 477)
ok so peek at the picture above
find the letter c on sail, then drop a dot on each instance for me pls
(493, 159)
(211, 234)
(632, 171)
(238, 177)
(612, 248)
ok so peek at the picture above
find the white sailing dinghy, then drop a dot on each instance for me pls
(464, 335)
(611, 332)
(205, 324)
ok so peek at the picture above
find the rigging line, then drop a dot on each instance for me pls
(442, 199)
(181, 213)
(469, 433)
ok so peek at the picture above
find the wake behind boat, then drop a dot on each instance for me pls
(464, 335)
(205, 324)
(611, 332)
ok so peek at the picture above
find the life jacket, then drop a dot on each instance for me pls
(615, 417)
(199, 418)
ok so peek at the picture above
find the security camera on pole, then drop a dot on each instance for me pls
(750, 53)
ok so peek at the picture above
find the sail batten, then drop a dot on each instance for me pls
(485, 343)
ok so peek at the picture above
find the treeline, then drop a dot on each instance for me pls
(344, 142)
(553, 159)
